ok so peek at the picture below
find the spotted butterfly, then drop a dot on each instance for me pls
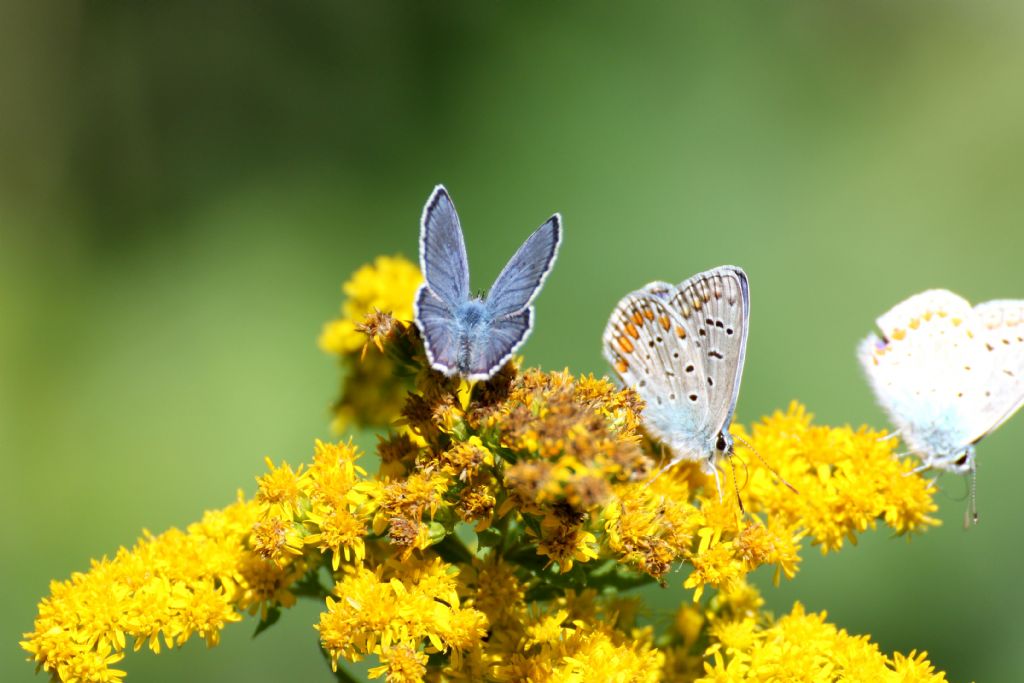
(682, 349)
(946, 373)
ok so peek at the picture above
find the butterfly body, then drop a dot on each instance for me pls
(682, 347)
(475, 336)
(946, 373)
(686, 437)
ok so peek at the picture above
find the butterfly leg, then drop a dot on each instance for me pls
(917, 470)
(718, 482)
(660, 471)
(890, 435)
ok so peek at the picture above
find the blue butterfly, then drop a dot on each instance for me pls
(473, 336)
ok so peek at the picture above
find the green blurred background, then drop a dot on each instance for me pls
(183, 188)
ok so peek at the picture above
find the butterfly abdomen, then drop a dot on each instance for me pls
(471, 319)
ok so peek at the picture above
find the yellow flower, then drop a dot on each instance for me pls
(847, 479)
(413, 604)
(802, 646)
(389, 285)
(402, 664)
(167, 588)
(280, 489)
(565, 541)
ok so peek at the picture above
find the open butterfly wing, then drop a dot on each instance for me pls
(521, 279)
(714, 308)
(494, 345)
(443, 251)
(439, 331)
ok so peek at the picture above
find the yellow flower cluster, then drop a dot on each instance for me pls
(800, 643)
(401, 611)
(733, 639)
(161, 592)
(505, 522)
(379, 298)
(844, 481)
(319, 507)
(388, 286)
(847, 479)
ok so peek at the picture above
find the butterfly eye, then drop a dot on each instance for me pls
(961, 461)
(720, 444)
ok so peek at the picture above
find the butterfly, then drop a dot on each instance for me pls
(474, 336)
(947, 374)
(682, 349)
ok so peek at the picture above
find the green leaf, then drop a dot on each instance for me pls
(309, 586)
(273, 614)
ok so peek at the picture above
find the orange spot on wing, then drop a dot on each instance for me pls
(637, 318)
(915, 323)
(898, 334)
(665, 324)
(621, 366)
(649, 314)
(625, 344)
(632, 331)
(927, 315)
(696, 304)
(680, 332)
(956, 322)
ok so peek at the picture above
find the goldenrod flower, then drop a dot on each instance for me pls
(388, 285)
(803, 646)
(500, 533)
(378, 306)
(161, 592)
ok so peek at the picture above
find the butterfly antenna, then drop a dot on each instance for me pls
(736, 486)
(769, 467)
(971, 514)
(746, 470)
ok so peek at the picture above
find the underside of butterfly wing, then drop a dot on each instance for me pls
(925, 369)
(652, 352)
(714, 308)
(1001, 327)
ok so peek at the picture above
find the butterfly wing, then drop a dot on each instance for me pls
(443, 251)
(1000, 328)
(653, 352)
(439, 330)
(923, 370)
(493, 345)
(522, 277)
(714, 308)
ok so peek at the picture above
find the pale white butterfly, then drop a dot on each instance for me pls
(947, 374)
(682, 349)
